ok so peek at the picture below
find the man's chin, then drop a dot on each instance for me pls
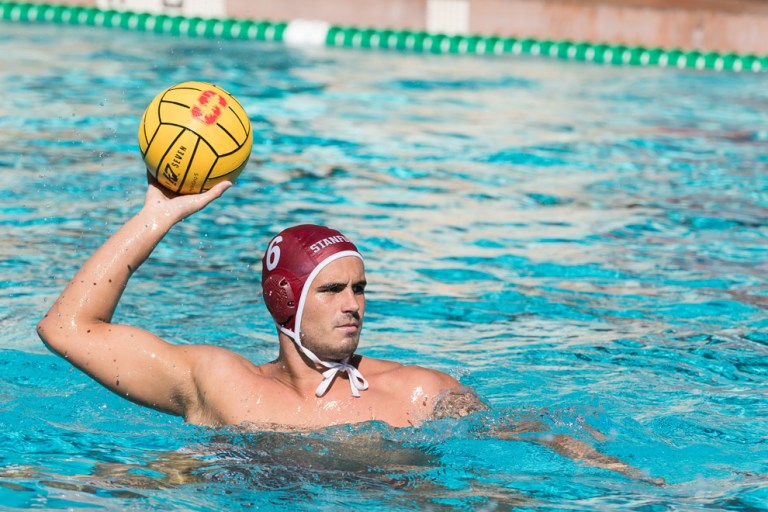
(345, 349)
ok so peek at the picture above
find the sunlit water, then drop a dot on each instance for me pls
(584, 245)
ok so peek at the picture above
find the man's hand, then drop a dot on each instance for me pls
(174, 207)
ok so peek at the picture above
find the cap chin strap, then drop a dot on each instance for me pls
(357, 382)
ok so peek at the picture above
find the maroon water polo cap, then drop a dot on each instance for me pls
(292, 260)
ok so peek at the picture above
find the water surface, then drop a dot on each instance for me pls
(583, 245)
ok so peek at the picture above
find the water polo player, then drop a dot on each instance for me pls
(313, 283)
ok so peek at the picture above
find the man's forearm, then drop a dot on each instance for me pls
(94, 292)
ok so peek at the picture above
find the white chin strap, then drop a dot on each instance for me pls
(357, 382)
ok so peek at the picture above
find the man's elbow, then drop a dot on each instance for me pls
(52, 334)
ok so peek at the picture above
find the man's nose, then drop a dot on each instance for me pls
(350, 302)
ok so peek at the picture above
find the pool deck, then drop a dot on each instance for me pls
(705, 25)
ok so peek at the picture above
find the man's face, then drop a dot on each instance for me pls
(334, 310)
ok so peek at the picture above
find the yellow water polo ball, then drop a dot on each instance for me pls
(194, 135)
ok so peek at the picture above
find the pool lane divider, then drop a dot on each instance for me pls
(320, 33)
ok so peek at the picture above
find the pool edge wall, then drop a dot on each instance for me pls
(700, 34)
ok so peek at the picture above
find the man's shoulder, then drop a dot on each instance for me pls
(215, 362)
(407, 374)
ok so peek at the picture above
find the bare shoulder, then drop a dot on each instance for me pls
(432, 381)
(408, 379)
(426, 378)
(209, 361)
(447, 397)
(432, 393)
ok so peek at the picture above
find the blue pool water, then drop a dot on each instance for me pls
(584, 245)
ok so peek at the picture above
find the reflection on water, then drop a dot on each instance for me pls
(293, 466)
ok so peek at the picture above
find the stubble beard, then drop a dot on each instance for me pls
(331, 350)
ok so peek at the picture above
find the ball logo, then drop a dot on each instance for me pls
(209, 107)
(171, 176)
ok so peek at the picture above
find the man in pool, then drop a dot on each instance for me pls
(313, 283)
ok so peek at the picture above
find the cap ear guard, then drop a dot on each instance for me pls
(279, 298)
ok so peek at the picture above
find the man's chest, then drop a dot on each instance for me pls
(272, 405)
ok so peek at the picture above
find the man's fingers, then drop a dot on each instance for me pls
(203, 199)
(219, 188)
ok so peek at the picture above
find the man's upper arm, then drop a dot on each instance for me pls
(446, 396)
(129, 361)
(451, 399)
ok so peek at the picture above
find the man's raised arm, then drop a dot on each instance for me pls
(130, 361)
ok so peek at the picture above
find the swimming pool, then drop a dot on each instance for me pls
(584, 245)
